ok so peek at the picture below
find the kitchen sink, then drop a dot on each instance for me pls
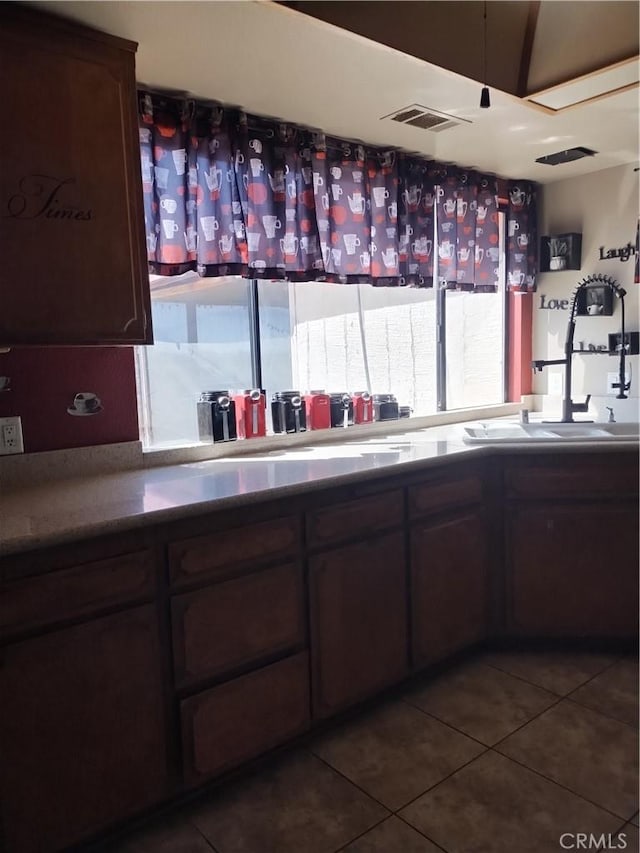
(506, 432)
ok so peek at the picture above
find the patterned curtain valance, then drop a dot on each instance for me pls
(522, 237)
(226, 193)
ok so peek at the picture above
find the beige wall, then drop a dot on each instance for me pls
(603, 207)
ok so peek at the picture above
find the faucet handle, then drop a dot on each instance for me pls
(582, 407)
(611, 418)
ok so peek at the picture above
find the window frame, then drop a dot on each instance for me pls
(440, 367)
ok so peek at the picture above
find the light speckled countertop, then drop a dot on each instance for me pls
(66, 510)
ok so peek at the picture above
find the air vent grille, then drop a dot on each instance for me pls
(406, 115)
(425, 118)
(567, 156)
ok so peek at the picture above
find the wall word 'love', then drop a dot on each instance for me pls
(553, 304)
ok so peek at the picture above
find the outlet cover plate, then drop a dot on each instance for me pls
(11, 436)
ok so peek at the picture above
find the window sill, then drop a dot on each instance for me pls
(243, 447)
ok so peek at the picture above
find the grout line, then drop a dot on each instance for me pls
(540, 687)
(632, 726)
(404, 805)
(440, 781)
(491, 746)
(560, 785)
(524, 725)
(362, 834)
(203, 836)
(415, 828)
(351, 782)
(445, 723)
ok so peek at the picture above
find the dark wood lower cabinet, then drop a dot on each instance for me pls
(572, 570)
(242, 718)
(358, 600)
(82, 733)
(449, 586)
(84, 742)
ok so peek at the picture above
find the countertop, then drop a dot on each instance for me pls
(78, 508)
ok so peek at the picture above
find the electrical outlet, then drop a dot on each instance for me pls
(614, 379)
(11, 436)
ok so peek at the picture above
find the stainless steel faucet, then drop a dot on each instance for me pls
(568, 406)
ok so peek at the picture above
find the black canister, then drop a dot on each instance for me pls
(216, 416)
(288, 412)
(341, 406)
(405, 411)
(385, 407)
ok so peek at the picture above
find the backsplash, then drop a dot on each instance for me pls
(603, 207)
(44, 382)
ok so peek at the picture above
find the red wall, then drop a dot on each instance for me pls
(520, 347)
(44, 382)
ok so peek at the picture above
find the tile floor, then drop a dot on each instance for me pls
(502, 754)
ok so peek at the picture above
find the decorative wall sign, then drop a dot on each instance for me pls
(623, 253)
(38, 197)
(583, 346)
(553, 304)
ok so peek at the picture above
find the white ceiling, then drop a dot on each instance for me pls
(274, 61)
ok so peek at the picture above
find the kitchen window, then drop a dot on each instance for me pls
(434, 350)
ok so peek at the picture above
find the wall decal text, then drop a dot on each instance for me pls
(553, 304)
(623, 253)
(38, 198)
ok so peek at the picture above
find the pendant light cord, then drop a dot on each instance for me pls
(484, 46)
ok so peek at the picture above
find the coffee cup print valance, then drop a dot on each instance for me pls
(226, 193)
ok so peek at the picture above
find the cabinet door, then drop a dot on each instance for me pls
(72, 236)
(449, 586)
(573, 570)
(82, 733)
(358, 621)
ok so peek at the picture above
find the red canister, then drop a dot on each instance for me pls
(250, 413)
(318, 409)
(362, 408)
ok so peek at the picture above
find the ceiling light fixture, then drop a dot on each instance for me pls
(485, 100)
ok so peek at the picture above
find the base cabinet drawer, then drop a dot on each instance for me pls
(576, 476)
(444, 493)
(231, 624)
(342, 521)
(238, 720)
(77, 591)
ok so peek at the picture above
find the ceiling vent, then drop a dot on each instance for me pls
(567, 156)
(425, 118)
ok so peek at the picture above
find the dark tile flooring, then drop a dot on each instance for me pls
(502, 754)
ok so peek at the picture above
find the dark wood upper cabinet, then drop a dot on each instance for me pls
(72, 243)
